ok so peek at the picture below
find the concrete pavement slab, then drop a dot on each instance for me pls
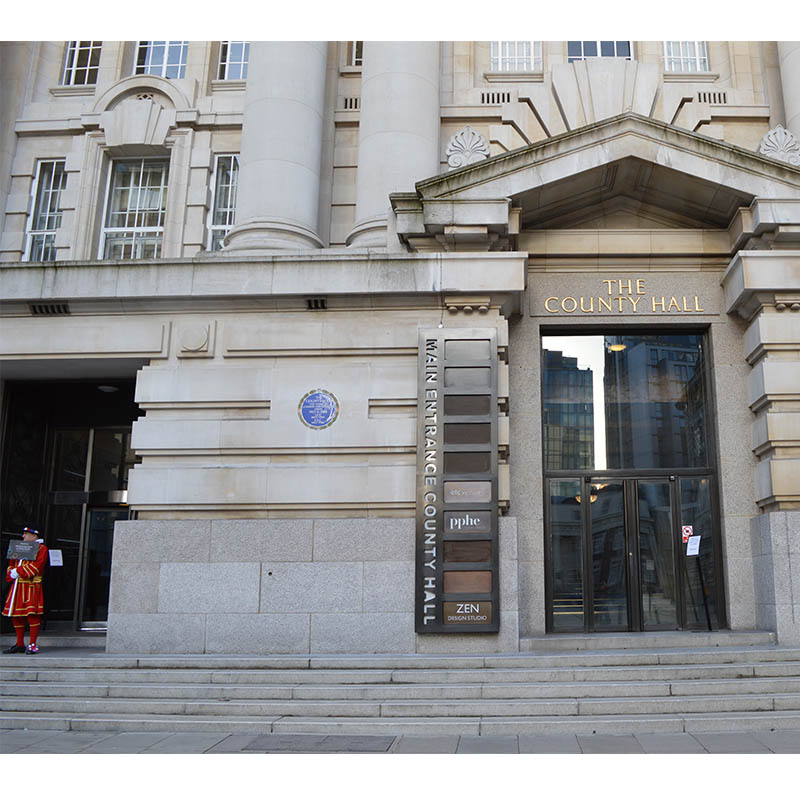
(186, 743)
(235, 743)
(731, 743)
(304, 743)
(779, 741)
(669, 743)
(548, 743)
(425, 744)
(125, 743)
(609, 743)
(15, 741)
(69, 741)
(488, 744)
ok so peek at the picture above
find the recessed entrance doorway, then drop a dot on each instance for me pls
(631, 521)
(67, 454)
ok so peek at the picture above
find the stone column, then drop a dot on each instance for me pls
(277, 205)
(789, 61)
(398, 134)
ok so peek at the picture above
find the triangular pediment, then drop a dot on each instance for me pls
(627, 170)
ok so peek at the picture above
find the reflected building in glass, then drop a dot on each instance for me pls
(655, 401)
(568, 412)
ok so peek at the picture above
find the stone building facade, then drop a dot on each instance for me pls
(230, 269)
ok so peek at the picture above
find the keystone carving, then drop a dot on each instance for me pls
(466, 147)
(781, 144)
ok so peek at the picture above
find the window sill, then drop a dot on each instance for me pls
(690, 77)
(86, 90)
(349, 70)
(228, 86)
(513, 77)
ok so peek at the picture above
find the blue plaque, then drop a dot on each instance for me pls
(318, 409)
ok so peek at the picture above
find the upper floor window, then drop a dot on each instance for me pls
(46, 217)
(516, 57)
(685, 57)
(578, 51)
(233, 58)
(167, 59)
(80, 63)
(136, 204)
(222, 217)
(355, 54)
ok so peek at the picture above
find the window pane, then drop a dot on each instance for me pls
(656, 557)
(623, 49)
(606, 48)
(589, 49)
(633, 401)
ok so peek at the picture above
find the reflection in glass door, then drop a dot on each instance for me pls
(97, 565)
(609, 556)
(656, 555)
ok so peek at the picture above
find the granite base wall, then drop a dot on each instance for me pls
(282, 586)
(775, 540)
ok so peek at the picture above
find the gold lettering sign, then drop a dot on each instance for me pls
(623, 296)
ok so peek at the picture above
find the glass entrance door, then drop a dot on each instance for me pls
(629, 537)
(628, 474)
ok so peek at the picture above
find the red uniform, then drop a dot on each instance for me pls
(28, 597)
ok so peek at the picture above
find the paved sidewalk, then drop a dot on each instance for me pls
(25, 741)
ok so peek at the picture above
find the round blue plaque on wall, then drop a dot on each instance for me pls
(318, 409)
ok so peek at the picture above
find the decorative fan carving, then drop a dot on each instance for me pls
(781, 144)
(466, 147)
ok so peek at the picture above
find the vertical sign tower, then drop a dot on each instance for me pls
(457, 579)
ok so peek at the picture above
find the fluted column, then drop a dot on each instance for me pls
(279, 165)
(789, 62)
(398, 134)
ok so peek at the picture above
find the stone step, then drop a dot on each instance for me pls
(398, 726)
(651, 640)
(598, 658)
(27, 672)
(388, 691)
(411, 708)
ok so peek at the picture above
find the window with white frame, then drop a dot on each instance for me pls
(46, 217)
(355, 54)
(578, 51)
(136, 203)
(166, 59)
(685, 57)
(80, 63)
(516, 57)
(233, 58)
(223, 203)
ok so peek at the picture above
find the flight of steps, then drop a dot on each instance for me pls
(726, 681)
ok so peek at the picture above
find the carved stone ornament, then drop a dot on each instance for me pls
(466, 147)
(781, 144)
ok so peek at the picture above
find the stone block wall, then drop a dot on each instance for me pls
(265, 586)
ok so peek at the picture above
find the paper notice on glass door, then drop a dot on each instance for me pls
(693, 546)
(56, 558)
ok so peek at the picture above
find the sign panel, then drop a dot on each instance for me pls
(22, 551)
(457, 580)
(686, 532)
(693, 546)
(56, 558)
(318, 409)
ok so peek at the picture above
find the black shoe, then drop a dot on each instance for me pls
(15, 648)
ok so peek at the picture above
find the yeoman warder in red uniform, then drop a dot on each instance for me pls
(25, 599)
